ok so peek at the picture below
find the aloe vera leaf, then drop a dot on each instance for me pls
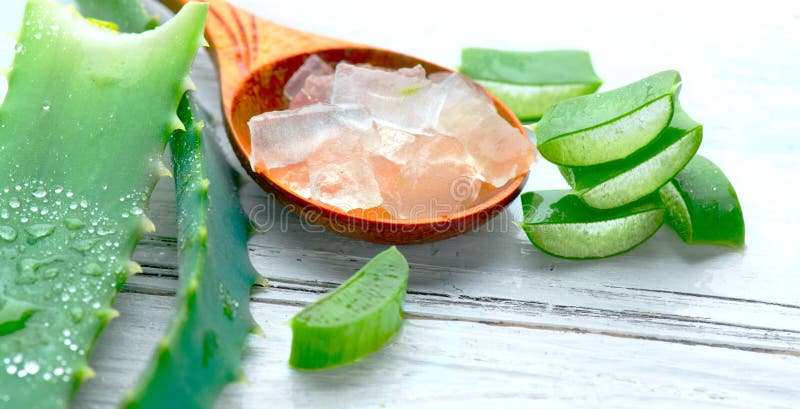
(83, 128)
(202, 349)
(599, 128)
(129, 15)
(560, 224)
(621, 182)
(702, 206)
(354, 320)
(530, 82)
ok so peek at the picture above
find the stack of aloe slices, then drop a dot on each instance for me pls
(629, 155)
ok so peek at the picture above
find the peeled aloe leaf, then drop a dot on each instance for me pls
(600, 128)
(129, 15)
(202, 349)
(354, 320)
(560, 224)
(702, 205)
(82, 131)
(621, 182)
(531, 82)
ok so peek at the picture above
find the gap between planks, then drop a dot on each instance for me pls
(168, 289)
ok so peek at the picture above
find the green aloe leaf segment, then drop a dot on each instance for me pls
(702, 205)
(531, 82)
(621, 182)
(609, 126)
(81, 152)
(560, 224)
(354, 320)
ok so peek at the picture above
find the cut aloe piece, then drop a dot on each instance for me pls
(702, 205)
(560, 224)
(355, 319)
(531, 82)
(201, 351)
(619, 183)
(82, 132)
(600, 128)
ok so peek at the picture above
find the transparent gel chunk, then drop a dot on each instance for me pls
(312, 66)
(281, 138)
(500, 151)
(406, 102)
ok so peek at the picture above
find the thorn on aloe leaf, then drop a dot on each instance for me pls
(85, 373)
(163, 170)
(256, 330)
(188, 84)
(262, 281)
(147, 225)
(107, 314)
(132, 267)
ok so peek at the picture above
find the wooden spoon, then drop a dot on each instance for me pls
(256, 58)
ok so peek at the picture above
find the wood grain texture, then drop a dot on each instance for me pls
(494, 322)
(436, 363)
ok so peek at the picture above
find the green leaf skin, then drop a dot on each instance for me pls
(354, 320)
(529, 102)
(600, 128)
(82, 131)
(529, 68)
(128, 15)
(560, 224)
(621, 182)
(530, 82)
(202, 349)
(702, 205)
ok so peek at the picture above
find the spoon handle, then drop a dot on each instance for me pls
(243, 43)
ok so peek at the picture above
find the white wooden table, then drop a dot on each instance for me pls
(491, 320)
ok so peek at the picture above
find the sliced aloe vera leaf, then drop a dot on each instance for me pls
(201, 351)
(529, 102)
(355, 319)
(702, 206)
(560, 224)
(81, 150)
(599, 128)
(530, 82)
(529, 67)
(129, 15)
(621, 182)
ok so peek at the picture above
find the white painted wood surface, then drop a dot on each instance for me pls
(494, 322)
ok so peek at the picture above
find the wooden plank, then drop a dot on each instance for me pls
(435, 363)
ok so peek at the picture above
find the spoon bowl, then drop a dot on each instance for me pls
(256, 58)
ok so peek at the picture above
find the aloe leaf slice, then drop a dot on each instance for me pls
(529, 102)
(619, 183)
(201, 351)
(599, 128)
(560, 224)
(83, 128)
(530, 82)
(355, 319)
(702, 206)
